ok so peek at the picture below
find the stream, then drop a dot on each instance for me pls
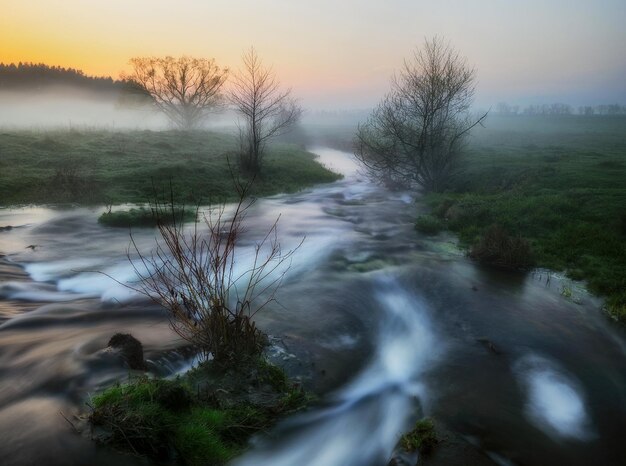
(388, 325)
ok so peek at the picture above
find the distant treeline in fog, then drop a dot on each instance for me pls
(560, 109)
(33, 76)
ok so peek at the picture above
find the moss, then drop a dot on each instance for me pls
(421, 438)
(273, 375)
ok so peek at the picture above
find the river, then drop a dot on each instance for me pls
(387, 324)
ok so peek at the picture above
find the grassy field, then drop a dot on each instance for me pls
(558, 182)
(106, 167)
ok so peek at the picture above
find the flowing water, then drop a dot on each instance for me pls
(388, 325)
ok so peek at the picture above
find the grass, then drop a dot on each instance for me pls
(143, 217)
(558, 183)
(429, 224)
(108, 167)
(205, 417)
(421, 438)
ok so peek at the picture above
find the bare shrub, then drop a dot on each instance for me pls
(72, 180)
(497, 247)
(195, 275)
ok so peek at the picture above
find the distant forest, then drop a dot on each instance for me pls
(559, 109)
(38, 76)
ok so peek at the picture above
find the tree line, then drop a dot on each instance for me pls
(557, 108)
(29, 76)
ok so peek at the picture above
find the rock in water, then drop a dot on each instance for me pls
(130, 349)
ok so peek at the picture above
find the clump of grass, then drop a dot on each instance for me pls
(143, 217)
(205, 417)
(134, 418)
(616, 307)
(428, 224)
(496, 247)
(421, 438)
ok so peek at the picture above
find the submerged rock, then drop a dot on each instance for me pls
(489, 345)
(130, 349)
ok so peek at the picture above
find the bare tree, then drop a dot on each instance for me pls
(198, 276)
(185, 89)
(417, 133)
(266, 109)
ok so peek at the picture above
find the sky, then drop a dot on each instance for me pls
(340, 54)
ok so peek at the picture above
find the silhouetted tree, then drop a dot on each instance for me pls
(185, 89)
(266, 109)
(417, 133)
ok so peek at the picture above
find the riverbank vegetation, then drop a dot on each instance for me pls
(207, 415)
(144, 217)
(115, 167)
(203, 417)
(558, 183)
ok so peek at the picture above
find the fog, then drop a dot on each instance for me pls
(66, 108)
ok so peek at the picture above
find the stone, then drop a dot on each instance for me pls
(130, 349)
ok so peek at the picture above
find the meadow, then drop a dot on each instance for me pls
(558, 182)
(98, 167)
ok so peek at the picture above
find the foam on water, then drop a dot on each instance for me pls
(555, 402)
(363, 425)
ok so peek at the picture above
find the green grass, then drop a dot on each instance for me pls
(107, 167)
(205, 417)
(144, 217)
(428, 224)
(560, 183)
(421, 438)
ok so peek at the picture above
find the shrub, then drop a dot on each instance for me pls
(70, 183)
(193, 275)
(496, 247)
(428, 224)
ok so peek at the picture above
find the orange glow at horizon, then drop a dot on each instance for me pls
(345, 50)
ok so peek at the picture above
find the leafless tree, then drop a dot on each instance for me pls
(266, 109)
(198, 276)
(185, 89)
(417, 133)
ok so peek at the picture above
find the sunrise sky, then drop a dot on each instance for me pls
(341, 53)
